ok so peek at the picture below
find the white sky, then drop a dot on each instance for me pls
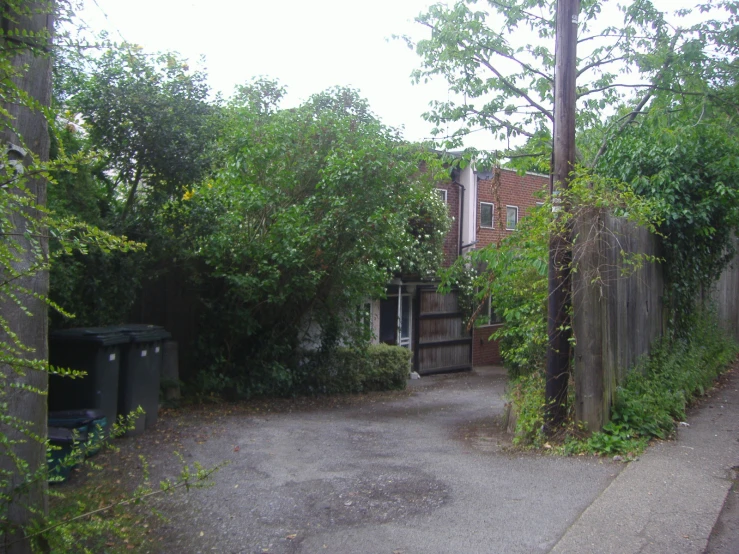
(308, 45)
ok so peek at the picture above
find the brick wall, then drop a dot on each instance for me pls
(484, 351)
(513, 190)
(451, 242)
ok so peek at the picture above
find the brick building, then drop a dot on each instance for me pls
(502, 198)
(484, 206)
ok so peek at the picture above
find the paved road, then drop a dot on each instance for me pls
(425, 471)
(414, 473)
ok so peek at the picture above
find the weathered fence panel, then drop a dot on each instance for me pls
(617, 313)
(725, 296)
(442, 342)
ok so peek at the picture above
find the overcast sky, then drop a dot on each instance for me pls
(308, 45)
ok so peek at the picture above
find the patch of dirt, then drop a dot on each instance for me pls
(485, 435)
(326, 503)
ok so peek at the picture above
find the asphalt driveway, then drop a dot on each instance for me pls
(422, 471)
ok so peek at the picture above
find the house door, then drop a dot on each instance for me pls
(396, 325)
(389, 320)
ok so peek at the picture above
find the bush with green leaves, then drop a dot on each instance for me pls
(525, 394)
(654, 396)
(311, 211)
(377, 367)
(686, 161)
(658, 390)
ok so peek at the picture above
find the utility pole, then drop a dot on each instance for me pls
(565, 76)
(25, 43)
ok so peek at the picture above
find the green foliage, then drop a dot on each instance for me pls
(142, 130)
(690, 169)
(614, 439)
(654, 395)
(503, 85)
(312, 210)
(378, 367)
(149, 118)
(513, 274)
(27, 229)
(526, 396)
(656, 392)
(97, 515)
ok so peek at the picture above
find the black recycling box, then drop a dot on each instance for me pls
(90, 424)
(62, 443)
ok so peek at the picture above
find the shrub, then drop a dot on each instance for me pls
(659, 389)
(654, 395)
(389, 367)
(526, 395)
(351, 370)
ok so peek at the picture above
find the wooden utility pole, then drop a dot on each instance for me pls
(558, 351)
(25, 43)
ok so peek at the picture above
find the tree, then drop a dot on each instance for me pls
(313, 210)
(25, 67)
(144, 129)
(504, 86)
(645, 67)
(684, 156)
(150, 117)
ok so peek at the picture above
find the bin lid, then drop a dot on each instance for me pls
(105, 336)
(74, 418)
(143, 332)
(60, 435)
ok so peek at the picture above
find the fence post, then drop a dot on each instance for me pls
(588, 302)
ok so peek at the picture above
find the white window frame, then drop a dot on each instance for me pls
(492, 215)
(488, 310)
(507, 223)
(443, 193)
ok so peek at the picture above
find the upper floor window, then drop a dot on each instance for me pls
(511, 217)
(442, 194)
(486, 214)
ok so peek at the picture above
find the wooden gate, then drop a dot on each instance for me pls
(441, 344)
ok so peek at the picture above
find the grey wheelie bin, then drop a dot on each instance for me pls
(97, 351)
(141, 365)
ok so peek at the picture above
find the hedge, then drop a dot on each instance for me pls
(350, 370)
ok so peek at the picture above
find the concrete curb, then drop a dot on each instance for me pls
(668, 500)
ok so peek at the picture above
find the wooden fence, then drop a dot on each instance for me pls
(442, 343)
(617, 312)
(726, 298)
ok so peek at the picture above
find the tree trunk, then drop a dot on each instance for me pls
(26, 131)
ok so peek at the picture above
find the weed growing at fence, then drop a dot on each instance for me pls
(653, 397)
(657, 392)
(526, 394)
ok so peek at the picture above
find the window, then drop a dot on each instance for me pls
(486, 214)
(488, 315)
(364, 315)
(511, 217)
(442, 194)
